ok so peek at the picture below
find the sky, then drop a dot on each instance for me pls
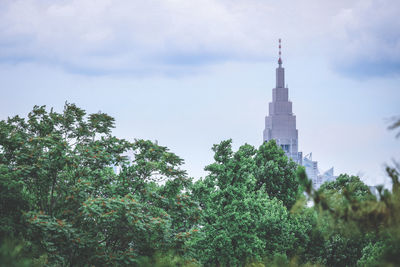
(191, 73)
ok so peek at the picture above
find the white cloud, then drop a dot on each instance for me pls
(368, 34)
(174, 35)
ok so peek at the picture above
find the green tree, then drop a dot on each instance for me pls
(80, 210)
(358, 228)
(13, 201)
(276, 173)
(240, 223)
(350, 186)
(50, 152)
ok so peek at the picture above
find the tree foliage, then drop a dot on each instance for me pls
(358, 228)
(72, 194)
(241, 223)
(276, 173)
(59, 184)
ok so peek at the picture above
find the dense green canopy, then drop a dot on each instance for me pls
(72, 194)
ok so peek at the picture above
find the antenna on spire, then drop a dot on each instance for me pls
(280, 53)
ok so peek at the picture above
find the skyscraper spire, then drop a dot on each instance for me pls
(280, 53)
(280, 124)
(280, 72)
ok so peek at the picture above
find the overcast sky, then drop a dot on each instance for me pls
(192, 73)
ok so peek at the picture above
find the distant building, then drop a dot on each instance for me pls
(312, 169)
(313, 172)
(328, 176)
(280, 125)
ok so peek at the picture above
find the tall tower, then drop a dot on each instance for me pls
(280, 124)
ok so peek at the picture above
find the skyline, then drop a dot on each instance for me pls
(193, 73)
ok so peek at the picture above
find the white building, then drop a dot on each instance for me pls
(313, 172)
(311, 169)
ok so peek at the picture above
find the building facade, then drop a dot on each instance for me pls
(280, 124)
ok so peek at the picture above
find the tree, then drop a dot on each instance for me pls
(50, 152)
(13, 201)
(240, 223)
(276, 173)
(351, 186)
(80, 210)
(395, 125)
(358, 228)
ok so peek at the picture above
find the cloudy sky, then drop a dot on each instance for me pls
(190, 73)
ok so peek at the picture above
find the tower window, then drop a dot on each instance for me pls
(286, 148)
